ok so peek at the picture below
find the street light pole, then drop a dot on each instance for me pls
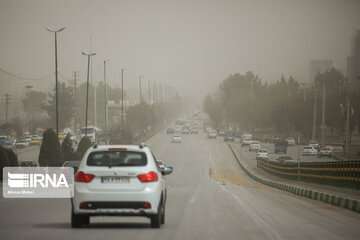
(323, 112)
(89, 55)
(140, 89)
(56, 78)
(122, 99)
(106, 99)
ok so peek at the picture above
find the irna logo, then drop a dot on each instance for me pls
(34, 180)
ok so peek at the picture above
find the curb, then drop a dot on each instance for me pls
(347, 203)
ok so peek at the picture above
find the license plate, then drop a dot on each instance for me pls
(122, 180)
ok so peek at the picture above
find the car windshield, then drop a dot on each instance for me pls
(117, 159)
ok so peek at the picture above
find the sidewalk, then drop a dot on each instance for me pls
(248, 160)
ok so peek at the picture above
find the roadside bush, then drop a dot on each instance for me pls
(84, 145)
(50, 154)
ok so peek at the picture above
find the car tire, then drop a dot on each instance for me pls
(163, 215)
(78, 221)
(156, 219)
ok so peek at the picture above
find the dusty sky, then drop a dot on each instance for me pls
(192, 44)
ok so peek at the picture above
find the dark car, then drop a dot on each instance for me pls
(170, 131)
(282, 159)
(281, 146)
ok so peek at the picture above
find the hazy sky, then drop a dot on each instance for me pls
(192, 45)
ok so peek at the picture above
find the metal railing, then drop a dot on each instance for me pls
(342, 173)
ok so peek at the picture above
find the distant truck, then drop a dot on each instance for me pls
(91, 132)
(280, 146)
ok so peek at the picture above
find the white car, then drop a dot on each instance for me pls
(212, 134)
(291, 141)
(176, 139)
(119, 180)
(309, 151)
(22, 143)
(254, 146)
(262, 154)
(246, 142)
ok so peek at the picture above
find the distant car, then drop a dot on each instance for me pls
(176, 139)
(314, 144)
(284, 158)
(221, 133)
(36, 140)
(254, 146)
(185, 131)
(228, 137)
(325, 151)
(291, 141)
(246, 142)
(246, 136)
(309, 151)
(27, 139)
(22, 143)
(262, 154)
(7, 142)
(194, 131)
(170, 131)
(280, 147)
(212, 134)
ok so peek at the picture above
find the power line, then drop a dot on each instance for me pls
(22, 78)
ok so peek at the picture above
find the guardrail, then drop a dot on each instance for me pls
(342, 173)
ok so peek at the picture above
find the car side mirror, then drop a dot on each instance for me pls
(166, 170)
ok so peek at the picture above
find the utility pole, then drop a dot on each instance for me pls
(149, 91)
(323, 113)
(7, 103)
(105, 96)
(347, 125)
(140, 90)
(89, 55)
(313, 135)
(75, 75)
(56, 78)
(122, 99)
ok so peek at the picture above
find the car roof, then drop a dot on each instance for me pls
(140, 147)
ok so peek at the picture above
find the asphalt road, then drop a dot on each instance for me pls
(209, 198)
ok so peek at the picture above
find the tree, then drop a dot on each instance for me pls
(84, 145)
(50, 154)
(214, 109)
(33, 102)
(65, 106)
